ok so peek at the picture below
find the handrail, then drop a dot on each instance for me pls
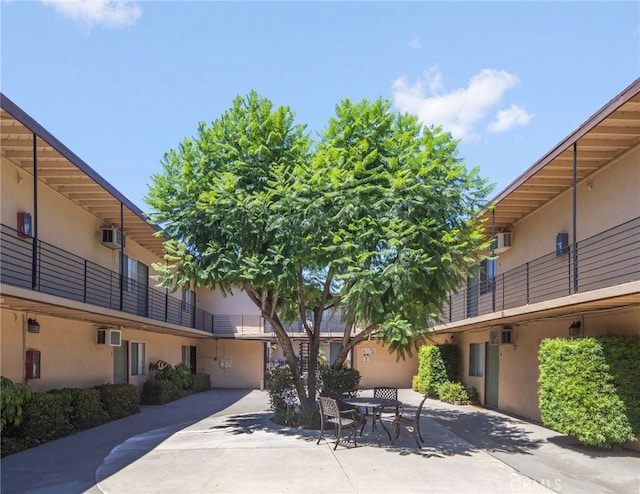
(607, 259)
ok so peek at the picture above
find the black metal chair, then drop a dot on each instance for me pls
(411, 420)
(384, 392)
(331, 413)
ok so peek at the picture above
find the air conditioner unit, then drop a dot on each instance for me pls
(110, 337)
(500, 337)
(112, 238)
(501, 242)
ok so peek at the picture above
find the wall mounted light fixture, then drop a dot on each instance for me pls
(33, 326)
(574, 329)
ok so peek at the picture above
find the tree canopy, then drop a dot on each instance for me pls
(377, 218)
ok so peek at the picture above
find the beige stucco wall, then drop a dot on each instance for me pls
(245, 359)
(518, 368)
(607, 198)
(70, 356)
(378, 367)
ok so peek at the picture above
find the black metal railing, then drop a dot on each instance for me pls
(607, 259)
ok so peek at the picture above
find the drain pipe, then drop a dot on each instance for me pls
(575, 228)
(34, 238)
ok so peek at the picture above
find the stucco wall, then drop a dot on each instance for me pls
(380, 368)
(245, 362)
(607, 198)
(518, 367)
(70, 355)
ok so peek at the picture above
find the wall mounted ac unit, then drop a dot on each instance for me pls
(110, 337)
(500, 337)
(501, 242)
(112, 238)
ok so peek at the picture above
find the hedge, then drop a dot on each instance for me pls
(159, 392)
(60, 412)
(588, 388)
(200, 382)
(431, 370)
(119, 400)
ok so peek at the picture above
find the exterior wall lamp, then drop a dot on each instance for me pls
(574, 329)
(33, 326)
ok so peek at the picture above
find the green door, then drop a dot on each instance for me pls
(491, 376)
(120, 359)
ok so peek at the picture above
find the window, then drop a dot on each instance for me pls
(188, 300)
(476, 359)
(138, 356)
(189, 358)
(487, 275)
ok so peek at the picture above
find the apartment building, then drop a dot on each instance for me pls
(566, 259)
(79, 304)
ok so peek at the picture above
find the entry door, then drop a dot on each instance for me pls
(120, 361)
(491, 376)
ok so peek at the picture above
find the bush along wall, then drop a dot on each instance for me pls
(588, 388)
(60, 412)
(432, 372)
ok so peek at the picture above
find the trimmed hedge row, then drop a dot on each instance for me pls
(60, 412)
(589, 388)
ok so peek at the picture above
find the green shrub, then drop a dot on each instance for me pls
(46, 417)
(282, 394)
(161, 392)
(474, 395)
(449, 354)
(178, 374)
(200, 382)
(454, 392)
(119, 400)
(339, 383)
(12, 398)
(589, 388)
(431, 370)
(415, 383)
(86, 408)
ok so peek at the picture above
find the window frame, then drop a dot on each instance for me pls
(137, 362)
(476, 359)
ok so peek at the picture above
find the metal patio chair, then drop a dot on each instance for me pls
(331, 413)
(411, 420)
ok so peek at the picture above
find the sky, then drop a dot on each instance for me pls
(122, 82)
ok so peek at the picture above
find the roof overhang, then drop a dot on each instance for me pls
(59, 168)
(609, 134)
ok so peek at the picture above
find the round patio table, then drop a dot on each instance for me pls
(378, 405)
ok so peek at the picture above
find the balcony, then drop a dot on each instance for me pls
(608, 259)
(62, 274)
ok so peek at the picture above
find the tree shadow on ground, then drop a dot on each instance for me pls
(492, 433)
(439, 444)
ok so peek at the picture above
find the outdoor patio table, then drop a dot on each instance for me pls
(378, 404)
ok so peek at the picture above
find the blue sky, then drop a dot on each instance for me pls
(120, 83)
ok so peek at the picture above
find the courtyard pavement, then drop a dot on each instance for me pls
(223, 441)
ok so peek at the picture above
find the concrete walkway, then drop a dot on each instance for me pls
(223, 441)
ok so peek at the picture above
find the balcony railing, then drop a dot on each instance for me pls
(607, 259)
(604, 260)
(60, 273)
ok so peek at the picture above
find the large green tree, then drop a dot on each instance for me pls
(378, 219)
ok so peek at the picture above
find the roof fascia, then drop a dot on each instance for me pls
(29, 122)
(629, 92)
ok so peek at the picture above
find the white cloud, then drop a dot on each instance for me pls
(108, 13)
(507, 119)
(460, 111)
(415, 43)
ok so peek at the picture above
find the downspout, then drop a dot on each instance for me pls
(121, 256)
(495, 266)
(575, 216)
(34, 251)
